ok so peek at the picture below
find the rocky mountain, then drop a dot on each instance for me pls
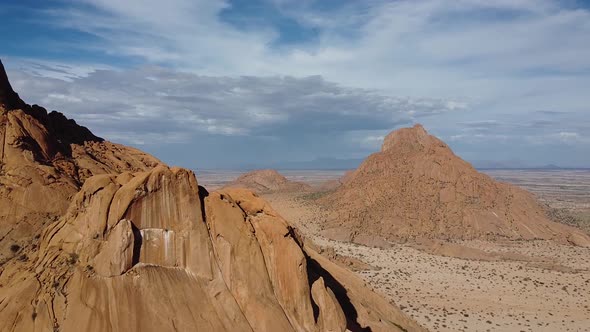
(266, 181)
(151, 251)
(44, 160)
(102, 237)
(416, 187)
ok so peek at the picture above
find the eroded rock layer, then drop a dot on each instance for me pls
(416, 187)
(44, 160)
(151, 251)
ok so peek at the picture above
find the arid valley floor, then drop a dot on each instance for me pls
(521, 286)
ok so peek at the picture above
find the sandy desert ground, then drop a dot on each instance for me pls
(565, 191)
(548, 291)
(538, 286)
(560, 188)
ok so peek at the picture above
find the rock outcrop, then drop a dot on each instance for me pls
(152, 251)
(8, 98)
(44, 160)
(416, 187)
(267, 181)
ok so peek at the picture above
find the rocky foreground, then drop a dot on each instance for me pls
(152, 251)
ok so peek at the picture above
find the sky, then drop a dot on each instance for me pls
(256, 83)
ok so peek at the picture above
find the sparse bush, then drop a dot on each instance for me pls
(14, 247)
(315, 195)
(73, 258)
(580, 219)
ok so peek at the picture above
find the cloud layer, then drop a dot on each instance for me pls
(155, 106)
(497, 79)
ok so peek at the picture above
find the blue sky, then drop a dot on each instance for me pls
(214, 83)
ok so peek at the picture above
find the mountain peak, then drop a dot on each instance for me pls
(416, 187)
(414, 138)
(8, 98)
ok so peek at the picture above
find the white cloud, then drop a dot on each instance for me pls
(373, 141)
(570, 137)
(53, 69)
(66, 98)
(475, 138)
(501, 55)
(147, 138)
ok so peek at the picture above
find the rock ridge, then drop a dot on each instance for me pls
(133, 251)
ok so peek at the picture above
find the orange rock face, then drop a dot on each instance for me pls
(141, 252)
(44, 160)
(266, 181)
(416, 187)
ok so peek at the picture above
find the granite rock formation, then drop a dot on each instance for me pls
(152, 251)
(416, 187)
(44, 160)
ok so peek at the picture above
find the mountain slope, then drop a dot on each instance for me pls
(416, 187)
